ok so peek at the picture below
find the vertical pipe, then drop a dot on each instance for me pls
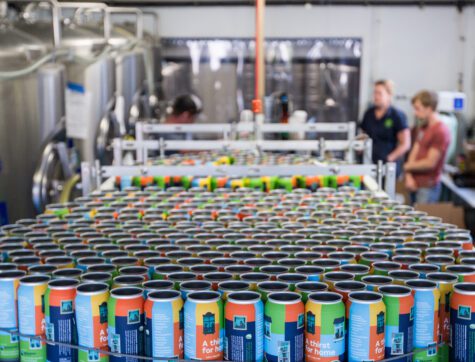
(259, 61)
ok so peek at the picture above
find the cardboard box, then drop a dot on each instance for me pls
(446, 210)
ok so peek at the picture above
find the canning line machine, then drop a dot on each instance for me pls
(375, 177)
(72, 79)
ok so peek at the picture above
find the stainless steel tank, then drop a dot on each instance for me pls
(20, 142)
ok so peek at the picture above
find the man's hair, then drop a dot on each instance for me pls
(186, 103)
(427, 99)
(387, 84)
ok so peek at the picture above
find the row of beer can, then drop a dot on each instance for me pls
(311, 321)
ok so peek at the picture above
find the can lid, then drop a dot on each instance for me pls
(34, 280)
(395, 290)
(126, 292)
(421, 284)
(325, 297)
(92, 288)
(244, 297)
(465, 288)
(204, 297)
(234, 285)
(195, 285)
(365, 297)
(63, 284)
(349, 285)
(284, 298)
(441, 277)
(272, 286)
(12, 274)
(164, 295)
(158, 284)
(311, 286)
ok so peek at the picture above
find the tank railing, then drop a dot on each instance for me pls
(123, 10)
(144, 358)
(81, 6)
(154, 17)
(55, 18)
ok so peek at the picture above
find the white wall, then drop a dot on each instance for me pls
(432, 47)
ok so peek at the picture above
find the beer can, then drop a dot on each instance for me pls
(204, 326)
(9, 282)
(307, 288)
(156, 285)
(60, 319)
(324, 327)
(399, 303)
(462, 322)
(244, 327)
(358, 270)
(466, 273)
(97, 277)
(291, 279)
(384, 267)
(125, 317)
(191, 286)
(225, 288)
(122, 281)
(91, 320)
(400, 277)
(345, 287)
(31, 317)
(266, 288)
(367, 315)
(284, 322)
(255, 278)
(313, 273)
(44, 269)
(337, 276)
(426, 318)
(445, 283)
(374, 282)
(164, 324)
(69, 273)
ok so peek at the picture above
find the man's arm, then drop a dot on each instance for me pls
(404, 143)
(425, 164)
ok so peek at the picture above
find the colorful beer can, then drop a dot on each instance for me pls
(225, 288)
(125, 317)
(367, 316)
(374, 282)
(466, 273)
(9, 282)
(204, 326)
(313, 273)
(31, 317)
(164, 324)
(399, 303)
(307, 288)
(60, 319)
(358, 270)
(324, 327)
(91, 320)
(426, 319)
(266, 288)
(244, 327)
(191, 286)
(445, 283)
(284, 322)
(462, 322)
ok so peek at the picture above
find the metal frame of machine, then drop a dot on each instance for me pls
(141, 146)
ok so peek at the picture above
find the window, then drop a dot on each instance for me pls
(310, 322)
(208, 323)
(380, 323)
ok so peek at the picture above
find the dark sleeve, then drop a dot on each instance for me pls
(400, 121)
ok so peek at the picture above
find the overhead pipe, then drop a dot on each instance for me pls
(259, 65)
